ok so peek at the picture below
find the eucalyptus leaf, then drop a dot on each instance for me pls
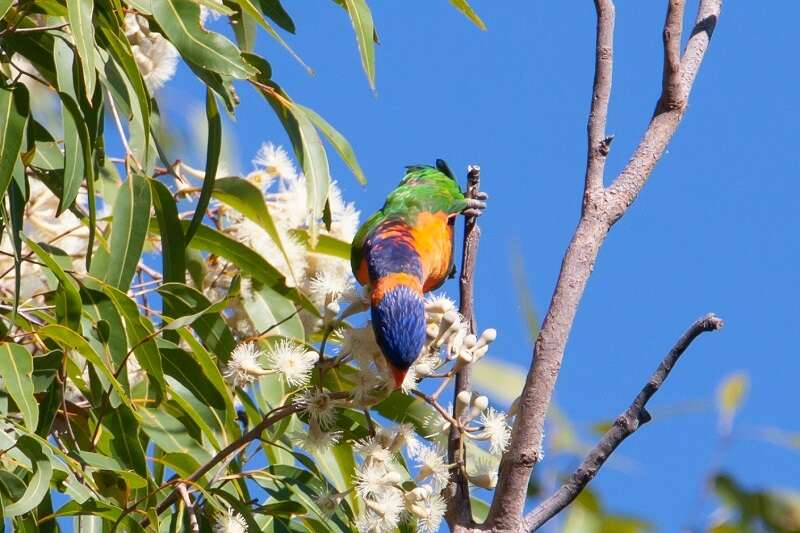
(16, 368)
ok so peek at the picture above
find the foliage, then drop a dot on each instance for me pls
(177, 338)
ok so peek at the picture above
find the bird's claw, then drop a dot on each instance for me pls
(475, 206)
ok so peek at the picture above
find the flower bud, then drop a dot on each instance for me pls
(462, 402)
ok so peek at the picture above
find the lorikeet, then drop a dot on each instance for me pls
(405, 250)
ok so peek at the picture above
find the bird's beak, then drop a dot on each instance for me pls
(398, 375)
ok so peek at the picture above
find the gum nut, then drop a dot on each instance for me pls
(432, 331)
(450, 317)
(489, 335)
(480, 403)
(462, 401)
(470, 341)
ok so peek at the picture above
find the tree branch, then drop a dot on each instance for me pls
(459, 509)
(671, 97)
(598, 143)
(665, 122)
(626, 424)
(597, 217)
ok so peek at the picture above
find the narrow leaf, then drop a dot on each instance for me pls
(338, 141)
(180, 20)
(79, 13)
(466, 9)
(249, 262)
(14, 110)
(315, 167)
(247, 199)
(131, 214)
(214, 146)
(16, 367)
(361, 16)
(39, 483)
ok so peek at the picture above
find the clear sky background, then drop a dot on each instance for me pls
(714, 230)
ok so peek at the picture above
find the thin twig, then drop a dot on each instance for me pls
(598, 143)
(436, 405)
(626, 424)
(129, 153)
(194, 526)
(459, 509)
(277, 414)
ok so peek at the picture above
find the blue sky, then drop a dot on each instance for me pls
(714, 229)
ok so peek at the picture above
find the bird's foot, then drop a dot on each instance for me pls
(476, 205)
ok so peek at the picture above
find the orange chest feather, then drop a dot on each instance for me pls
(433, 239)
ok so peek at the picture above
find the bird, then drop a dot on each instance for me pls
(404, 250)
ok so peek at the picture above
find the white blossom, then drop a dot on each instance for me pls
(315, 439)
(495, 429)
(275, 162)
(243, 367)
(431, 462)
(429, 511)
(382, 512)
(230, 522)
(483, 473)
(292, 361)
(318, 406)
(375, 478)
(373, 451)
(155, 56)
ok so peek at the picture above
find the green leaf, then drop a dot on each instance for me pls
(173, 252)
(79, 13)
(209, 326)
(247, 199)
(123, 431)
(269, 309)
(213, 149)
(466, 9)
(14, 110)
(248, 7)
(338, 141)
(16, 207)
(361, 17)
(5, 5)
(170, 434)
(249, 262)
(314, 161)
(68, 301)
(180, 20)
(39, 483)
(131, 214)
(275, 11)
(77, 161)
(120, 49)
(16, 367)
(69, 340)
(140, 333)
(325, 244)
(185, 369)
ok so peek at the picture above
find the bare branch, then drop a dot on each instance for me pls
(597, 217)
(671, 94)
(458, 502)
(598, 143)
(626, 424)
(663, 125)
